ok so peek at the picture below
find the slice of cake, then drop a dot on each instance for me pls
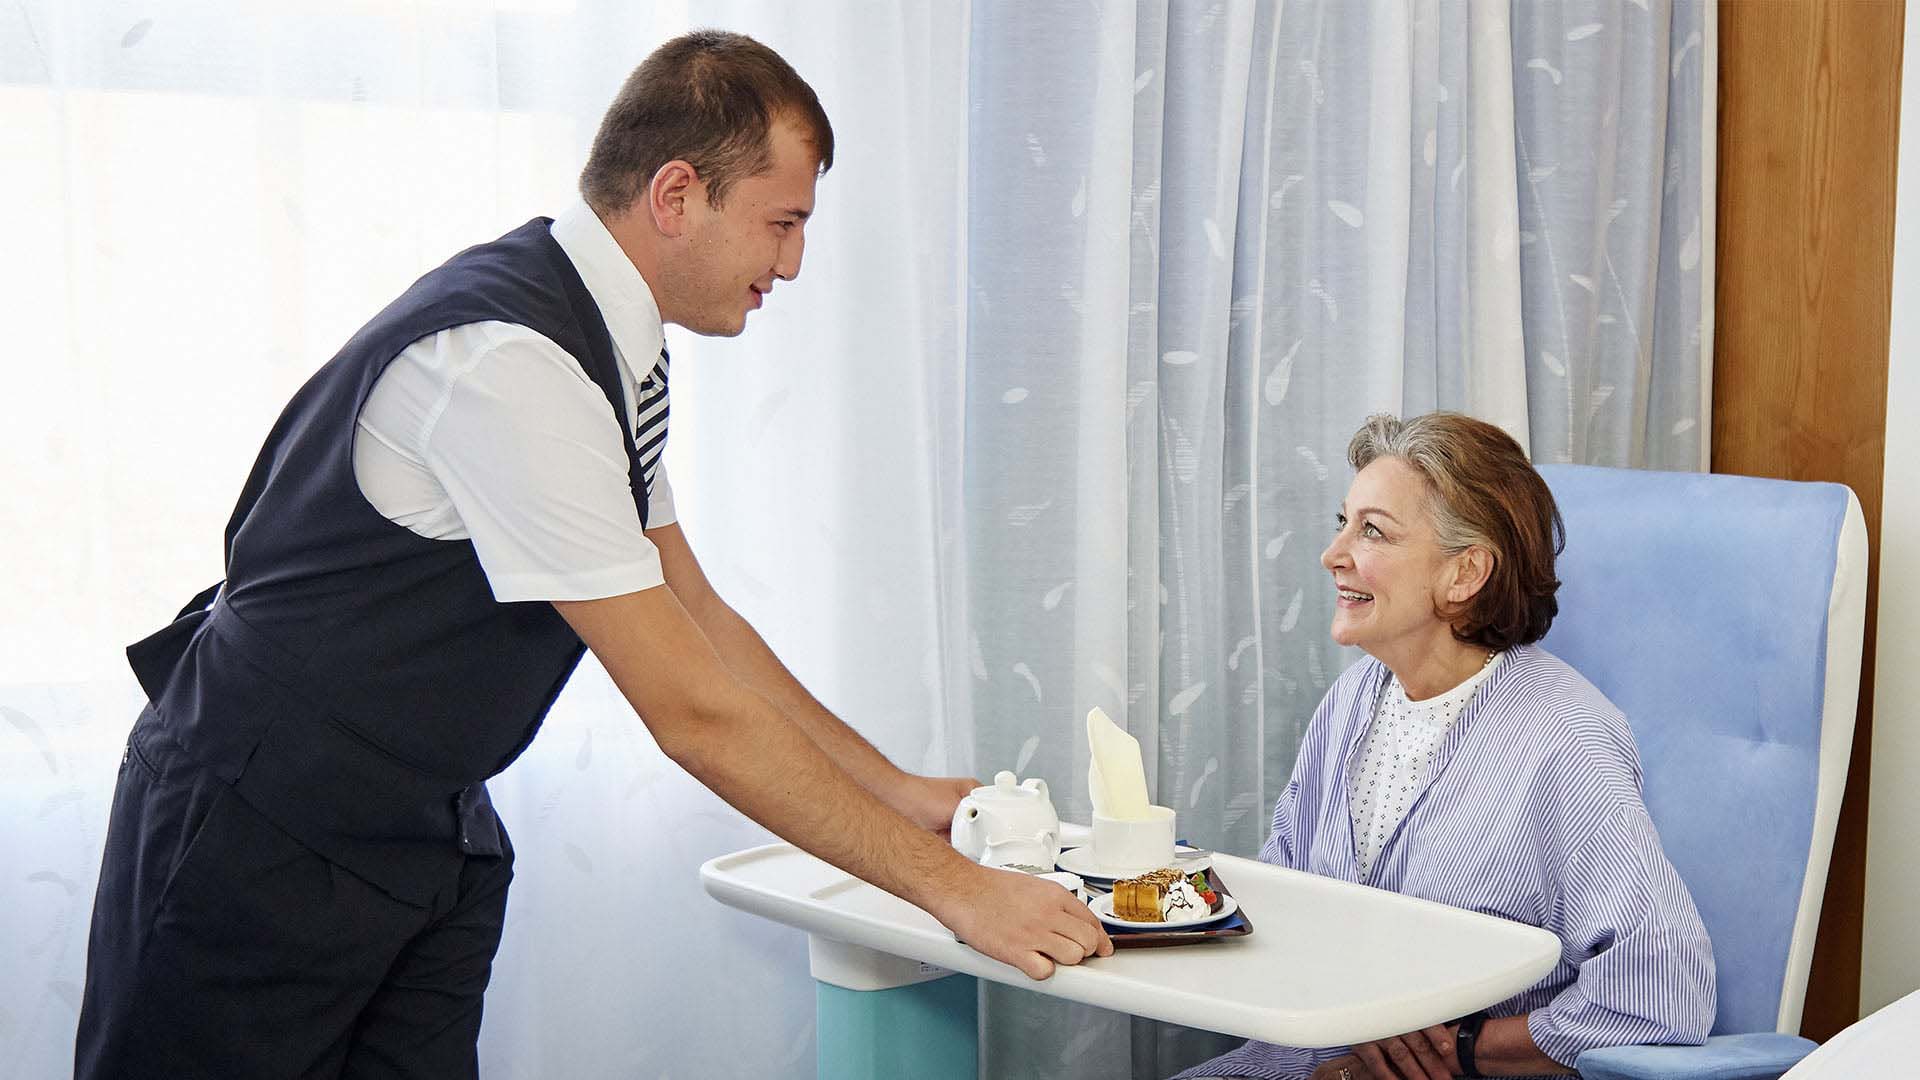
(1146, 899)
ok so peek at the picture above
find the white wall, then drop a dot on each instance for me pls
(1890, 953)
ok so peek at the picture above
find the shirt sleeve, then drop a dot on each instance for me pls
(1282, 846)
(535, 464)
(1296, 813)
(660, 509)
(1626, 920)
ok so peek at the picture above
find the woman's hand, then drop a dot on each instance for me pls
(1347, 1067)
(1426, 1054)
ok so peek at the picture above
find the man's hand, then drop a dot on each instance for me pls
(928, 801)
(1021, 920)
(1427, 1054)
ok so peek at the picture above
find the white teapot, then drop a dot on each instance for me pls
(1007, 823)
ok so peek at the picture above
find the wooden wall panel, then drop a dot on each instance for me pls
(1809, 124)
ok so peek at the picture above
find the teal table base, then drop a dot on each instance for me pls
(897, 1019)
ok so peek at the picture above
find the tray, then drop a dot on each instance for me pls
(1235, 925)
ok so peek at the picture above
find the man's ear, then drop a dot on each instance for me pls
(1471, 569)
(669, 195)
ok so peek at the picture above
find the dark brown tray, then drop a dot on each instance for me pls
(1235, 925)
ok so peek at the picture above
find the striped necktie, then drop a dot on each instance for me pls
(650, 422)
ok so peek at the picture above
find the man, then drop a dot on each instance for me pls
(303, 874)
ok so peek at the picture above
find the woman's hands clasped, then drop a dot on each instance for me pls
(1427, 1054)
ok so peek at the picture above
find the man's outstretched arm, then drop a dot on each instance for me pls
(926, 801)
(746, 750)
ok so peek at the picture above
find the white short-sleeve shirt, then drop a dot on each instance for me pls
(494, 433)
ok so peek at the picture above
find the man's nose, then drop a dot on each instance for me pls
(787, 266)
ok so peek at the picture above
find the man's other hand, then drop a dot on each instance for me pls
(1025, 921)
(928, 801)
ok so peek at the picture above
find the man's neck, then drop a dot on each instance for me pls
(641, 245)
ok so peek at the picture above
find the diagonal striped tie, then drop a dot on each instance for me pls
(650, 424)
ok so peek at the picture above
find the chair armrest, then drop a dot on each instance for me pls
(1759, 1056)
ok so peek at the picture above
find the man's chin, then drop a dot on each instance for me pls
(719, 329)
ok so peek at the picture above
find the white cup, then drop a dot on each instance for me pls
(1134, 845)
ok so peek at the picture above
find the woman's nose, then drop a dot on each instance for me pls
(1336, 553)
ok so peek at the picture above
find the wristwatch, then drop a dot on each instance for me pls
(1464, 1039)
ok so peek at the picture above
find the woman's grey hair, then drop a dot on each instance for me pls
(1481, 491)
(1425, 444)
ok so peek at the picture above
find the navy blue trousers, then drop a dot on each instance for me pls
(223, 948)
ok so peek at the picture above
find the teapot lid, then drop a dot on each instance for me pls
(1006, 786)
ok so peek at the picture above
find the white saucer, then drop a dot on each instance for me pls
(1080, 861)
(1103, 907)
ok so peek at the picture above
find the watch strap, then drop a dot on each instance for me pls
(1466, 1040)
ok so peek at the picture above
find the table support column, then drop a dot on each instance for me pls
(880, 1016)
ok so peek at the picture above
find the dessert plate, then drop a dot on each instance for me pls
(1103, 907)
(1080, 861)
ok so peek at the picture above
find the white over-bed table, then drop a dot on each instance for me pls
(1328, 963)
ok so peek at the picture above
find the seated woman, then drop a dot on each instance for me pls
(1461, 763)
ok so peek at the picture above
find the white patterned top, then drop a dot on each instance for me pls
(1396, 758)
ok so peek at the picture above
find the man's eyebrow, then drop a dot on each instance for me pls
(794, 211)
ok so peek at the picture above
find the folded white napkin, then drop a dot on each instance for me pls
(1116, 778)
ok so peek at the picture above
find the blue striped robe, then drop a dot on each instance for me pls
(1533, 813)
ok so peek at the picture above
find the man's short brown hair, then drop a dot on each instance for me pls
(1481, 490)
(708, 98)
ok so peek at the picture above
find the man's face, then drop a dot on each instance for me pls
(735, 252)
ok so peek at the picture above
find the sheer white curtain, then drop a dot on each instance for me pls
(1052, 418)
(1331, 209)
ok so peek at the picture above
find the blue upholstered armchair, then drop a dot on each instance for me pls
(1723, 615)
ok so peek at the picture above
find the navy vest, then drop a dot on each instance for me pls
(354, 681)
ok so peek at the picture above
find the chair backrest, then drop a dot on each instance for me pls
(1723, 615)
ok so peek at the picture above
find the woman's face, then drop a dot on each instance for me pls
(1391, 575)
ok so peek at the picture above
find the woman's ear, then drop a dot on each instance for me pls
(1471, 569)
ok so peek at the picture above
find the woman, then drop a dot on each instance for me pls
(1463, 764)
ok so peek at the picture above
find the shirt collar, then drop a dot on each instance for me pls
(625, 302)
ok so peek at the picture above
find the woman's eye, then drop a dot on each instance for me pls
(1339, 522)
(1372, 530)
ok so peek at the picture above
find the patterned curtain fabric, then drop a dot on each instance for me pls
(1053, 418)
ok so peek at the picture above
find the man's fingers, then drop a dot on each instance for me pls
(1085, 927)
(1102, 941)
(1065, 950)
(1037, 967)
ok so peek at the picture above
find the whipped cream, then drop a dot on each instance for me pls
(1179, 901)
